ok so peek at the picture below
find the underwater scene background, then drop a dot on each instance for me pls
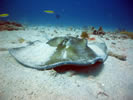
(66, 49)
(107, 13)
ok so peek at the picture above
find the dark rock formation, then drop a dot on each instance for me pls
(10, 26)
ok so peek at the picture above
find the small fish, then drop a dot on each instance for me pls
(52, 12)
(57, 16)
(49, 11)
(4, 15)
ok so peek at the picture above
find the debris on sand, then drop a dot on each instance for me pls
(55, 31)
(21, 40)
(102, 94)
(92, 38)
(53, 73)
(3, 49)
(10, 26)
(107, 38)
(120, 57)
(13, 42)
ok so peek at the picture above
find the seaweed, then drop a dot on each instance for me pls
(129, 34)
(84, 35)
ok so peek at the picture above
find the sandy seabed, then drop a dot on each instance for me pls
(112, 81)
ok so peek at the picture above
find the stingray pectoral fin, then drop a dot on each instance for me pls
(55, 41)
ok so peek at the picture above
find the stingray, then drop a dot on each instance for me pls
(60, 51)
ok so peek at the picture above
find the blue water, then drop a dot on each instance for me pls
(110, 14)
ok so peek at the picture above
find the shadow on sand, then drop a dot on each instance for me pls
(93, 70)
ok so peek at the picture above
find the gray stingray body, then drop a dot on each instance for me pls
(60, 51)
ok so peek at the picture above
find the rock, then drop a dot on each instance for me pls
(95, 32)
(10, 26)
(99, 31)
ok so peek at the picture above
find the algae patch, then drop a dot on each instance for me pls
(21, 40)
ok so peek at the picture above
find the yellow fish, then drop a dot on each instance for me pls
(49, 11)
(4, 15)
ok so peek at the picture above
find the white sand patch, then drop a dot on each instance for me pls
(113, 81)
